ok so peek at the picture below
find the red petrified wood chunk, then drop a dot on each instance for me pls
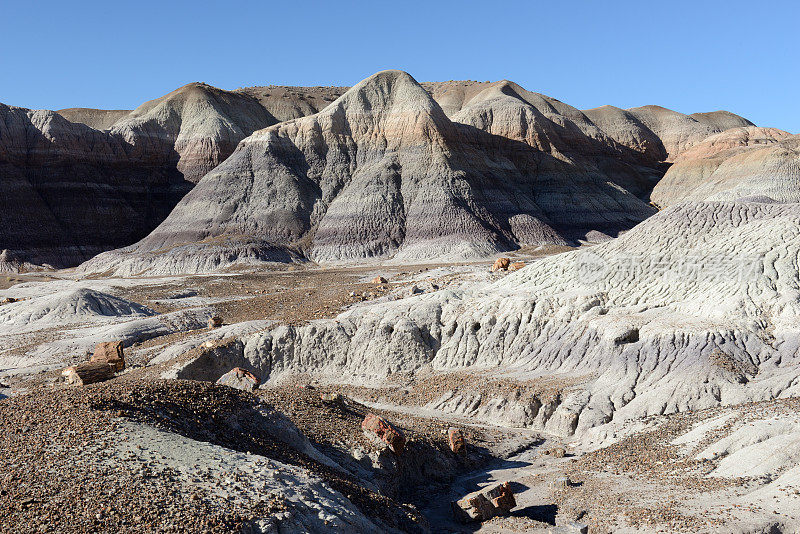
(385, 431)
(456, 439)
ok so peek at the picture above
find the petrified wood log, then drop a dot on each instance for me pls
(88, 373)
(110, 353)
(385, 431)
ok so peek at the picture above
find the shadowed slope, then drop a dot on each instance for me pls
(69, 192)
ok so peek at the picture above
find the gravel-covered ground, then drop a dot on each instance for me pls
(55, 477)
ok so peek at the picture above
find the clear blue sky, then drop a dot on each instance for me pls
(689, 56)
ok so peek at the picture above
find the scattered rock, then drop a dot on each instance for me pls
(385, 431)
(215, 322)
(501, 264)
(110, 353)
(240, 379)
(456, 439)
(485, 504)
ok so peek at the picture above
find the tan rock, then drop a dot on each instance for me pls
(379, 280)
(485, 504)
(111, 353)
(331, 398)
(501, 264)
(87, 373)
(215, 322)
(556, 452)
(516, 266)
(239, 378)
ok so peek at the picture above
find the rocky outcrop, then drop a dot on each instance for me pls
(239, 378)
(737, 163)
(629, 328)
(380, 173)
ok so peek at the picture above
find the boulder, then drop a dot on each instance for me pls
(556, 452)
(385, 431)
(215, 322)
(501, 264)
(485, 504)
(456, 440)
(111, 353)
(560, 483)
(240, 379)
(379, 280)
(516, 266)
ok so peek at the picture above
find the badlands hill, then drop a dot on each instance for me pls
(383, 173)
(92, 180)
(737, 163)
(193, 128)
(143, 161)
(198, 126)
(660, 132)
(654, 131)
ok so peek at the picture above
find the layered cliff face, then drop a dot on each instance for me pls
(70, 191)
(507, 110)
(737, 163)
(82, 181)
(532, 168)
(380, 173)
